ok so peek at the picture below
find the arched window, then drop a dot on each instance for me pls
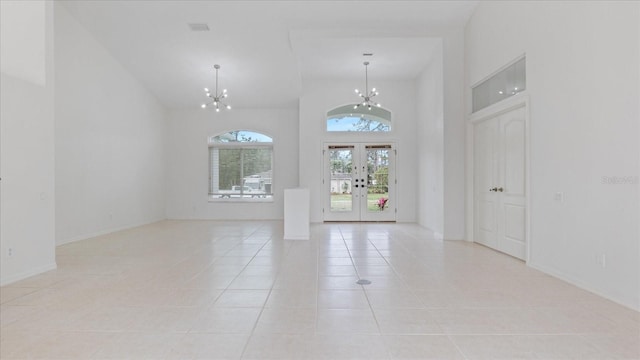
(362, 119)
(241, 166)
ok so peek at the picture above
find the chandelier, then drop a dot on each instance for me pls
(366, 95)
(216, 96)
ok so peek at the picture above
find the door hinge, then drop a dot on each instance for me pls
(396, 210)
(323, 210)
(395, 151)
(396, 181)
(323, 152)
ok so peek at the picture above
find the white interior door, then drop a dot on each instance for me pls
(512, 183)
(486, 203)
(359, 182)
(500, 182)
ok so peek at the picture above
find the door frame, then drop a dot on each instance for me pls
(361, 153)
(512, 103)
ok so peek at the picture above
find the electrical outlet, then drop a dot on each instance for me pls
(559, 197)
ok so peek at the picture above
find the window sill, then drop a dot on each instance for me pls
(240, 200)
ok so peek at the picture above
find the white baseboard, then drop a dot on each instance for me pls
(105, 232)
(23, 275)
(633, 304)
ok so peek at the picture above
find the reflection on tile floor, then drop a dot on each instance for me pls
(237, 290)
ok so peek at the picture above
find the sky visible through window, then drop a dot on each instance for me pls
(242, 136)
(355, 123)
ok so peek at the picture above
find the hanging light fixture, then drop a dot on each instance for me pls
(366, 95)
(216, 96)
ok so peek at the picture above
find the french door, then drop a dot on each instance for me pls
(359, 182)
(500, 182)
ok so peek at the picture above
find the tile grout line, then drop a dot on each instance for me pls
(255, 325)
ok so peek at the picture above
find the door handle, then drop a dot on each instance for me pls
(500, 189)
(493, 189)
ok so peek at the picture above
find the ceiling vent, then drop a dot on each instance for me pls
(199, 27)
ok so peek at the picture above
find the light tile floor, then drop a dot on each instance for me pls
(237, 290)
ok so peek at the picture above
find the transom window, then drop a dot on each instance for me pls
(505, 83)
(346, 118)
(241, 166)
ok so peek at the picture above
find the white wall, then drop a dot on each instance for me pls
(430, 134)
(318, 97)
(582, 79)
(110, 140)
(27, 217)
(441, 140)
(454, 136)
(188, 158)
(22, 40)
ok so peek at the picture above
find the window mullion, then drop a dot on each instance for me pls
(242, 173)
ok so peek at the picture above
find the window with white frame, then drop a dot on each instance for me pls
(241, 166)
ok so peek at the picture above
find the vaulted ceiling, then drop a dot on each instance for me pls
(266, 48)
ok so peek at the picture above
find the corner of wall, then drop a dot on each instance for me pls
(454, 136)
(27, 224)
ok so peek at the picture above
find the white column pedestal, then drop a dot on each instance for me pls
(296, 214)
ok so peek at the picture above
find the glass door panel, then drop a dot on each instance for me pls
(377, 179)
(341, 162)
(339, 184)
(379, 204)
(360, 182)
